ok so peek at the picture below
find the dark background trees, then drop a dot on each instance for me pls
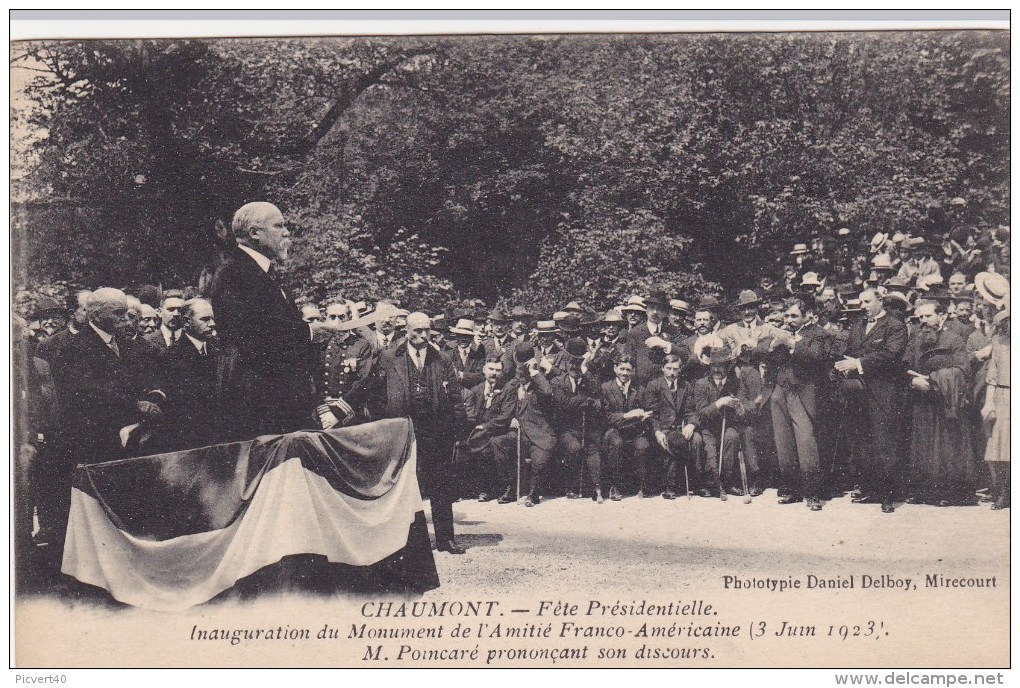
(540, 168)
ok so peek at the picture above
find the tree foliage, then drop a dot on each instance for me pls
(541, 168)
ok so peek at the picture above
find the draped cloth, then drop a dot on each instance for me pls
(174, 530)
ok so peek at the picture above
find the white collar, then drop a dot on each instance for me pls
(262, 261)
(168, 335)
(107, 338)
(652, 328)
(200, 345)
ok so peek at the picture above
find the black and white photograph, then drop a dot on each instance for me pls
(429, 345)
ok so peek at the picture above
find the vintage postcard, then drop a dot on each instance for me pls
(607, 347)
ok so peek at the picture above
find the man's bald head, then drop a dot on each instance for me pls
(419, 329)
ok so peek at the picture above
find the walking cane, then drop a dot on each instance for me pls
(722, 440)
(687, 482)
(584, 455)
(743, 475)
(518, 461)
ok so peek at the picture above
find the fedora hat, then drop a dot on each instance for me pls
(573, 307)
(657, 298)
(810, 279)
(747, 298)
(498, 315)
(47, 305)
(799, 249)
(464, 326)
(895, 299)
(589, 319)
(634, 303)
(878, 241)
(576, 348)
(897, 283)
(571, 322)
(721, 354)
(478, 440)
(709, 303)
(993, 287)
(524, 352)
(546, 327)
(680, 306)
(520, 313)
(613, 317)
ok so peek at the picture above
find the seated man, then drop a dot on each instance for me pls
(628, 430)
(716, 407)
(482, 403)
(670, 400)
(527, 408)
(578, 420)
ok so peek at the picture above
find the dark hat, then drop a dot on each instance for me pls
(721, 354)
(934, 359)
(570, 323)
(657, 298)
(523, 353)
(709, 303)
(498, 315)
(896, 300)
(589, 319)
(478, 440)
(747, 298)
(576, 348)
(937, 294)
(47, 305)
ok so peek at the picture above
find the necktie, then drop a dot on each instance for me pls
(114, 348)
(203, 350)
(489, 394)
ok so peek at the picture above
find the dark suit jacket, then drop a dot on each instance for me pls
(474, 404)
(470, 374)
(601, 364)
(706, 393)
(573, 406)
(535, 412)
(647, 370)
(807, 365)
(880, 352)
(671, 411)
(101, 394)
(614, 405)
(194, 414)
(272, 345)
(506, 354)
(391, 373)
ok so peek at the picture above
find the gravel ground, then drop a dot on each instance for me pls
(631, 551)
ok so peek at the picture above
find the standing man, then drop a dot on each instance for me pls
(192, 368)
(270, 345)
(796, 403)
(419, 383)
(170, 316)
(653, 332)
(871, 380)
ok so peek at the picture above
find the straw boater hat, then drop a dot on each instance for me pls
(799, 249)
(993, 287)
(465, 327)
(881, 262)
(843, 232)
(384, 311)
(573, 307)
(680, 306)
(878, 241)
(546, 327)
(634, 303)
(747, 298)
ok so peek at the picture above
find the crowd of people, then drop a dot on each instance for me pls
(873, 365)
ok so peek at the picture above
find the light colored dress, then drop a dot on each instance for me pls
(998, 377)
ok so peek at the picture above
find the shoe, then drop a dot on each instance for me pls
(485, 497)
(735, 491)
(888, 508)
(855, 494)
(573, 495)
(944, 502)
(669, 494)
(864, 499)
(1000, 503)
(532, 501)
(614, 494)
(722, 495)
(705, 492)
(814, 504)
(640, 494)
(450, 546)
(914, 500)
(790, 499)
(506, 498)
(598, 497)
(756, 491)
